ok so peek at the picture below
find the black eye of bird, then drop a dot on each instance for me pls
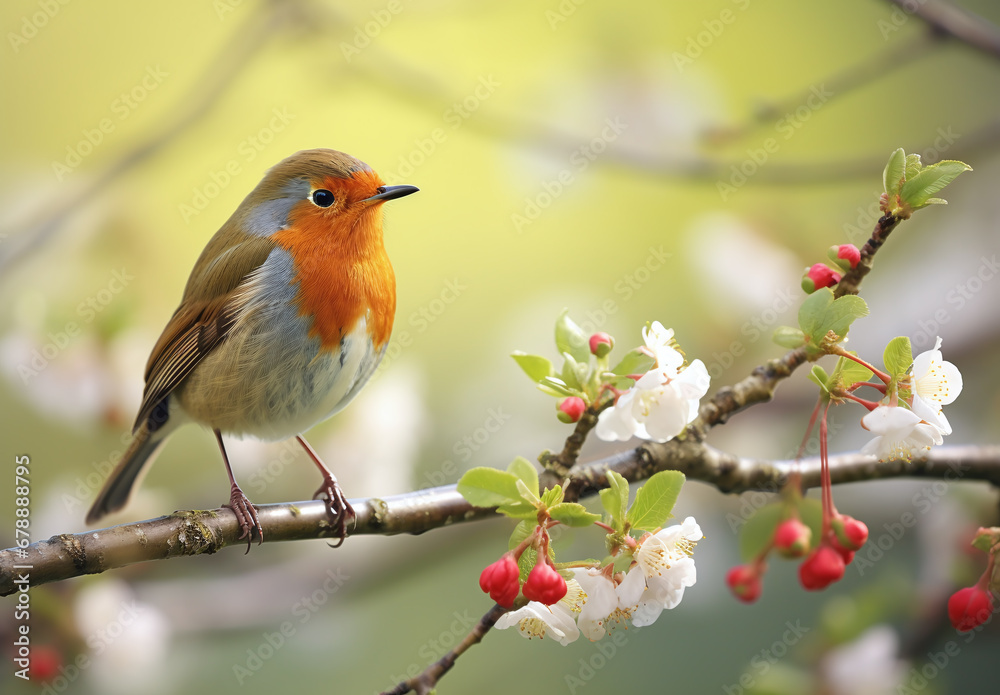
(323, 198)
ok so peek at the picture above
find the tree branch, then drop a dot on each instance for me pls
(206, 532)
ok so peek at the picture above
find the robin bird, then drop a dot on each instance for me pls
(285, 316)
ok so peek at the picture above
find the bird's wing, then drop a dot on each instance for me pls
(214, 299)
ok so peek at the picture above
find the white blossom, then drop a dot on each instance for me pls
(900, 433)
(538, 620)
(663, 569)
(660, 342)
(663, 401)
(935, 383)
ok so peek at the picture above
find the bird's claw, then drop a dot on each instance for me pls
(337, 508)
(246, 516)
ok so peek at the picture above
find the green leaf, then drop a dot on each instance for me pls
(520, 532)
(573, 372)
(898, 356)
(983, 542)
(789, 337)
(488, 487)
(621, 562)
(913, 166)
(519, 510)
(850, 372)
(655, 500)
(634, 362)
(819, 377)
(931, 179)
(523, 469)
(535, 366)
(555, 386)
(611, 504)
(811, 514)
(527, 494)
(573, 514)
(892, 177)
(821, 313)
(571, 338)
(527, 560)
(614, 498)
(619, 382)
(758, 531)
(843, 312)
(553, 496)
(813, 310)
(526, 563)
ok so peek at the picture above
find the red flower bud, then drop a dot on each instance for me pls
(501, 580)
(849, 253)
(817, 277)
(821, 569)
(601, 344)
(744, 582)
(845, 256)
(570, 409)
(848, 533)
(792, 538)
(846, 555)
(544, 585)
(969, 608)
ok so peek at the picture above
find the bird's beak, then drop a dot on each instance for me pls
(390, 193)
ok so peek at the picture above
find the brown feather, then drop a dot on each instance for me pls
(208, 310)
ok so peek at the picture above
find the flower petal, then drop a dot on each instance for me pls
(935, 379)
(631, 589)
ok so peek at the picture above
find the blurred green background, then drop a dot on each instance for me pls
(680, 162)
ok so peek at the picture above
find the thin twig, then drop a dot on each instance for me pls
(850, 283)
(561, 463)
(957, 22)
(878, 66)
(425, 682)
(232, 60)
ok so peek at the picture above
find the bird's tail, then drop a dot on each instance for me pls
(123, 478)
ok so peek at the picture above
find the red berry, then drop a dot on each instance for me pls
(819, 276)
(544, 585)
(821, 569)
(969, 608)
(501, 580)
(570, 409)
(792, 538)
(744, 582)
(601, 344)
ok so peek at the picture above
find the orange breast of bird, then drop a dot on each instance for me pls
(343, 273)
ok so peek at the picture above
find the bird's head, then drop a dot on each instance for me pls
(320, 193)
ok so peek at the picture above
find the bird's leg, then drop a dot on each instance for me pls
(246, 513)
(337, 506)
